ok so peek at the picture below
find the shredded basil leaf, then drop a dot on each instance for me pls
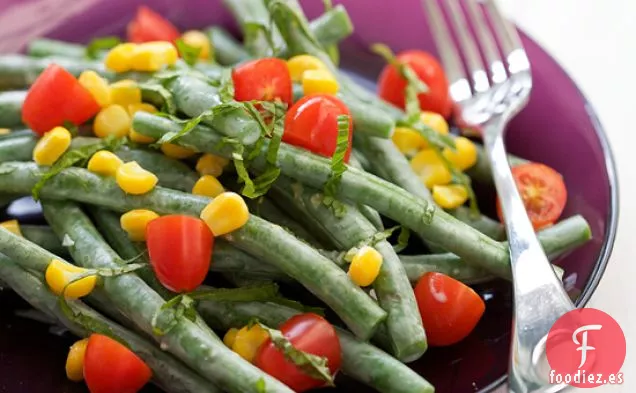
(252, 32)
(190, 54)
(256, 293)
(338, 166)
(154, 92)
(403, 239)
(328, 4)
(97, 45)
(71, 127)
(260, 386)
(226, 86)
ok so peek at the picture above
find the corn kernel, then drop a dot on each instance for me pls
(430, 168)
(465, 154)
(112, 120)
(230, 337)
(125, 93)
(365, 266)
(199, 40)
(5, 131)
(97, 86)
(51, 146)
(119, 59)
(140, 107)
(139, 138)
(61, 276)
(176, 151)
(104, 163)
(297, 66)
(450, 196)
(226, 213)
(134, 179)
(248, 341)
(75, 361)
(435, 121)
(208, 186)
(12, 226)
(134, 135)
(135, 222)
(209, 164)
(408, 141)
(319, 81)
(152, 56)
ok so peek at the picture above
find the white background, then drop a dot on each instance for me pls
(595, 41)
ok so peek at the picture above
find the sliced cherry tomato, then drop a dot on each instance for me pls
(150, 26)
(543, 192)
(180, 249)
(450, 310)
(57, 97)
(263, 79)
(312, 123)
(391, 85)
(111, 367)
(309, 333)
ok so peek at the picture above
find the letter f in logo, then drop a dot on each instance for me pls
(583, 344)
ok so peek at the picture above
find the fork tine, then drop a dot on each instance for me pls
(469, 47)
(508, 38)
(488, 44)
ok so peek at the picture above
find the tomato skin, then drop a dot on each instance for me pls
(56, 97)
(111, 367)
(543, 192)
(312, 123)
(309, 333)
(263, 79)
(150, 26)
(391, 85)
(180, 250)
(450, 310)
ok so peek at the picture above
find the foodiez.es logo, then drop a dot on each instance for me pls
(586, 348)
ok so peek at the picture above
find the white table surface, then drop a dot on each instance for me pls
(594, 41)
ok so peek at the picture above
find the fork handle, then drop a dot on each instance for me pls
(539, 295)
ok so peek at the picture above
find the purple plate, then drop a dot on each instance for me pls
(558, 128)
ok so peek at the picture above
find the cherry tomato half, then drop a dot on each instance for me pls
(312, 123)
(56, 97)
(150, 26)
(309, 333)
(391, 85)
(111, 367)
(264, 80)
(543, 192)
(180, 250)
(450, 310)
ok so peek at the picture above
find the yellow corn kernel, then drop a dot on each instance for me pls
(208, 186)
(134, 179)
(5, 131)
(230, 337)
(465, 155)
(319, 81)
(119, 59)
(365, 266)
(248, 340)
(176, 151)
(97, 86)
(135, 222)
(125, 93)
(112, 120)
(139, 138)
(297, 66)
(51, 146)
(450, 196)
(104, 163)
(226, 213)
(75, 361)
(60, 277)
(209, 164)
(435, 121)
(430, 168)
(152, 56)
(408, 141)
(12, 226)
(199, 40)
(134, 135)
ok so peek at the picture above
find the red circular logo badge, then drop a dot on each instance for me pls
(586, 348)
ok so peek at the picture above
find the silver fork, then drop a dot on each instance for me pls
(487, 99)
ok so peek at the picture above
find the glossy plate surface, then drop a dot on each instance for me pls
(558, 128)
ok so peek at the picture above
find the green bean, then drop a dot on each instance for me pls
(45, 47)
(481, 171)
(44, 237)
(258, 237)
(172, 375)
(16, 133)
(19, 148)
(371, 215)
(253, 19)
(394, 292)
(11, 108)
(200, 349)
(227, 50)
(360, 360)
(332, 26)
